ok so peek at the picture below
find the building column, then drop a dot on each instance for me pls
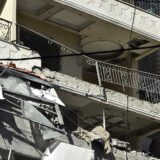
(72, 66)
(9, 13)
(134, 65)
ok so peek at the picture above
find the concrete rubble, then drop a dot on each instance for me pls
(119, 100)
(34, 101)
(98, 134)
(133, 155)
(72, 83)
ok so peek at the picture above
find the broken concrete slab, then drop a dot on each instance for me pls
(116, 99)
(133, 155)
(72, 83)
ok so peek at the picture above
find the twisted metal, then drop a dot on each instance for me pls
(148, 84)
(5, 30)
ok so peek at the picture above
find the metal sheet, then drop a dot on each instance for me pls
(25, 76)
(50, 95)
(33, 114)
(14, 84)
(48, 133)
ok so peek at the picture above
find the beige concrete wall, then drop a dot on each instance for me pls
(67, 38)
(120, 14)
(70, 65)
(8, 50)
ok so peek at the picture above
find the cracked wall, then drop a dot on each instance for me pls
(8, 50)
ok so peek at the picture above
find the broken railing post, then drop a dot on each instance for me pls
(98, 74)
(104, 119)
(10, 152)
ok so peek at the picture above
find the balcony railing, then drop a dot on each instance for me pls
(151, 6)
(147, 84)
(5, 29)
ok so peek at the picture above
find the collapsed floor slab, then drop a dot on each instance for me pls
(106, 96)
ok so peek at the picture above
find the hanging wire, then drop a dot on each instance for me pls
(80, 54)
(129, 64)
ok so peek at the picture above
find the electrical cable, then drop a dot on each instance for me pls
(79, 54)
(129, 65)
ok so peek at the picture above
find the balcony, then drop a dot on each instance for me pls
(5, 29)
(111, 76)
(121, 13)
(146, 84)
(149, 6)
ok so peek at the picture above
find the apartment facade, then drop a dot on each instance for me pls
(90, 52)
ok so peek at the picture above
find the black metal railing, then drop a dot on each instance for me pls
(147, 84)
(5, 29)
(150, 6)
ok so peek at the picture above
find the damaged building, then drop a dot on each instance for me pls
(79, 79)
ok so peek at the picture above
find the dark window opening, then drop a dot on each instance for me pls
(150, 64)
(70, 118)
(154, 148)
(42, 45)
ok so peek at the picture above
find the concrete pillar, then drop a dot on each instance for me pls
(72, 66)
(9, 13)
(135, 66)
